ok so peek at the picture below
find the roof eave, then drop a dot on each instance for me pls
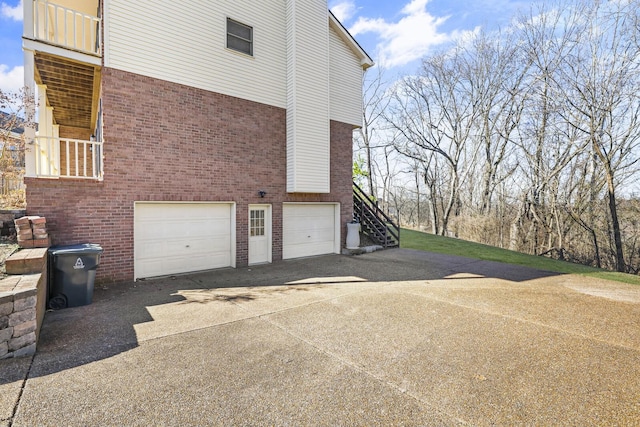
(365, 59)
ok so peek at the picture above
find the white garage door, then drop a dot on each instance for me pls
(309, 229)
(171, 238)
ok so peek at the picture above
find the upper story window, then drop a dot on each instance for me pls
(239, 37)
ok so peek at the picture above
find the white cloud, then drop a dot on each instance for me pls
(415, 7)
(11, 80)
(343, 10)
(12, 12)
(410, 38)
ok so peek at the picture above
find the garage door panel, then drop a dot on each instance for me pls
(159, 248)
(311, 223)
(309, 249)
(311, 236)
(195, 263)
(308, 230)
(219, 243)
(182, 237)
(147, 267)
(150, 249)
(183, 229)
(205, 227)
(304, 212)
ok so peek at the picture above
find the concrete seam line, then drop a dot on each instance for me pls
(531, 322)
(355, 367)
(249, 317)
(24, 383)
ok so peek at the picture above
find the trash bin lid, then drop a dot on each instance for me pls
(82, 248)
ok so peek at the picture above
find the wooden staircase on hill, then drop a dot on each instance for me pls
(373, 221)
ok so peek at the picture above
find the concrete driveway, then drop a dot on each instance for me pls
(397, 337)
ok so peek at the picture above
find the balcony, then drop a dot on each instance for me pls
(63, 61)
(68, 158)
(68, 24)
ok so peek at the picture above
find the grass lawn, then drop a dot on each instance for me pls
(445, 245)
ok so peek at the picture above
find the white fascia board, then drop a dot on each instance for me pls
(73, 55)
(365, 59)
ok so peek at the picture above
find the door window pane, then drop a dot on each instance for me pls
(256, 223)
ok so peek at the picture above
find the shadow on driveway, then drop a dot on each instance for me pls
(81, 335)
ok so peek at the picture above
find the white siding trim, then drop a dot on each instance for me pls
(106, 24)
(308, 133)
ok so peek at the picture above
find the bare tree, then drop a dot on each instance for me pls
(432, 114)
(15, 109)
(375, 100)
(601, 82)
(530, 133)
(496, 70)
(12, 122)
(544, 144)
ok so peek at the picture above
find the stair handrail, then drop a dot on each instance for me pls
(362, 197)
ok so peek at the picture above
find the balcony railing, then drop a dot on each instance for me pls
(68, 158)
(66, 27)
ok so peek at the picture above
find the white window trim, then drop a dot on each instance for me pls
(226, 38)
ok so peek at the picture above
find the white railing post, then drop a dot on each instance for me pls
(84, 159)
(75, 152)
(66, 27)
(56, 28)
(37, 21)
(63, 26)
(67, 159)
(47, 147)
(30, 110)
(55, 153)
(27, 17)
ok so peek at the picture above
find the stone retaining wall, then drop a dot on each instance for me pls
(22, 306)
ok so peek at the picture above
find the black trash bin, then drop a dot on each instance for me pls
(72, 274)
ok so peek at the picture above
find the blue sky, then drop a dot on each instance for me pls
(395, 33)
(398, 33)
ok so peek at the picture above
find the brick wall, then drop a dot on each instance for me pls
(169, 142)
(74, 132)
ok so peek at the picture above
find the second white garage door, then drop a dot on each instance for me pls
(310, 229)
(171, 238)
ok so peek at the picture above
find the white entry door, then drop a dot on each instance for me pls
(259, 234)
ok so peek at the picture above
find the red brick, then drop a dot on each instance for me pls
(24, 221)
(42, 243)
(25, 234)
(169, 142)
(27, 244)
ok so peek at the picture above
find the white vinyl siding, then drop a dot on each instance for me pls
(345, 82)
(185, 42)
(310, 229)
(307, 97)
(172, 238)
